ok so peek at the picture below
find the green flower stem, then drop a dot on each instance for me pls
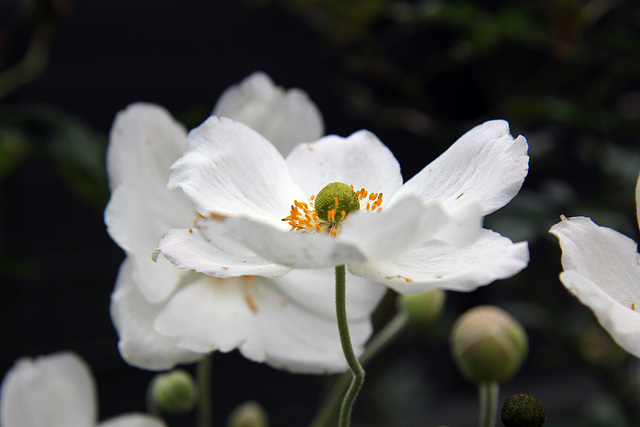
(488, 403)
(204, 391)
(345, 339)
(383, 338)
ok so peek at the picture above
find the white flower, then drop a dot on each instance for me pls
(165, 316)
(602, 269)
(57, 391)
(264, 214)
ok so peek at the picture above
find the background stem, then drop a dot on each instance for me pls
(488, 394)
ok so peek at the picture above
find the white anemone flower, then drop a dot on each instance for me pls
(602, 269)
(165, 316)
(342, 201)
(57, 391)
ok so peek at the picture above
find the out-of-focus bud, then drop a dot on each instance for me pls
(249, 414)
(522, 410)
(488, 345)
(174, 392)
(424, 307)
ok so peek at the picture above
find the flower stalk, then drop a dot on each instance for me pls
(488, 393)
(204, 391)
(347, 348)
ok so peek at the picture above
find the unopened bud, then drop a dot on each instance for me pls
(174, 392)
(424, 307)
(488, 345)
(249, 414)
(522, 410)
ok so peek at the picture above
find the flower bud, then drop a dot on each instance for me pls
(424, 307)
(174, 392)
(522, 410)
(488, 345)
(249, 414)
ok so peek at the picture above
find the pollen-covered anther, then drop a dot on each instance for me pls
(326, 211)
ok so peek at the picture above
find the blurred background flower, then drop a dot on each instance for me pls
(566, 74)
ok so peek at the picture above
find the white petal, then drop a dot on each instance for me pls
(231, 170)
(486, 166)
(601, 268)
(314, 291)
(406, 225)
(136, 221)
(284, 117)
(269, 322)
(133, 316)
(133, 420)
(219, 257)
(293, 249)
(638, 200)
(360, 160)
(49, 391)
(144, 141)
(210, 314)
(439, 265)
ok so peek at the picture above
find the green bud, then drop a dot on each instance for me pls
(249, 414)
(326, 199)
(488, 345)
(424, 307)
(174, 392)
(522, 410)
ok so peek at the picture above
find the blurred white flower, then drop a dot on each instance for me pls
(57, 391)
(602, 269)
(165, 316)
(263, 214)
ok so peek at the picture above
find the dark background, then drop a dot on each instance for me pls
(419, 74)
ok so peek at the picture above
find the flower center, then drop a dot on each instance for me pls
(326, 211)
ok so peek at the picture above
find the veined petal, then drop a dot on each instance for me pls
(438, 265)
(50, 391)
(602, 269)
(133, 316)
(406, 225)
(144, 141)
(219, 257)
(133, 420)
(486, 166)
(136, 221)
(284, 117)
(231, 170)
(267, 324)
(293, 249)
(360, 160)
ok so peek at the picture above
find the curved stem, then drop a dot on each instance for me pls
(204, 391)
(488, 403)
(345, 339)
(384, 337)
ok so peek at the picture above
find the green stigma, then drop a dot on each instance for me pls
(335, 201)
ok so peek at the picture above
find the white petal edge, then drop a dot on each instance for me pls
(601, 269)
(406, 225)
(486, 166)
(293, 249)
(139, 343)
(133, 420)
(360, 160)
(438, 265)
(188, 250)
(284, 117)
(231, 170)
(638, 200)
(49, 391)
(258, 317)
(144, 141)
(134, 224)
